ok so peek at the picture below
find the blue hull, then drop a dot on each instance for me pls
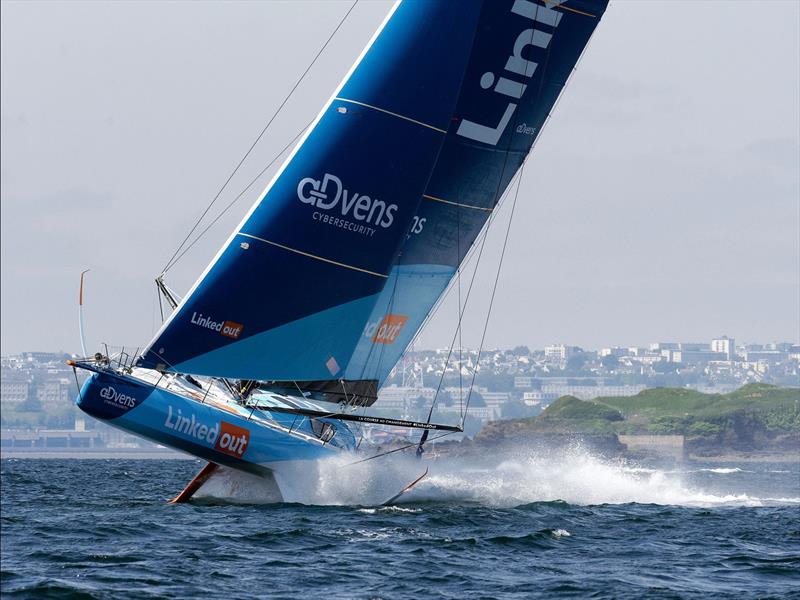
(234, 436)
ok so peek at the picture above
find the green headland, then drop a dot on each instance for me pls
(756, 417)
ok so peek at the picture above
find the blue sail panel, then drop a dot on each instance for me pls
(288, 296)
(523, 54)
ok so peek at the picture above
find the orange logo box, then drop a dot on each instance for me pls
(232, 440)
(389, 328)
(231, 329)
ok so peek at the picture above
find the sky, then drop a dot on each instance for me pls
(661, 202)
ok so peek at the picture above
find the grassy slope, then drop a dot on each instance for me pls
(755, 409)
(679, 402)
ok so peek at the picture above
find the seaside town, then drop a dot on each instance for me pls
(38, 388)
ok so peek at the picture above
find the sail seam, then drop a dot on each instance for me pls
(314, 256)
(394, 114)
(435, 199)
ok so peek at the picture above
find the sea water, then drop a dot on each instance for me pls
(512, 526)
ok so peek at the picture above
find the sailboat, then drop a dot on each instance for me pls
(280, 347)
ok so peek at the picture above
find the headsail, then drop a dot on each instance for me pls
(288, 295)
(523, 53)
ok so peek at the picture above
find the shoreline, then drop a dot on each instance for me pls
(167, 454)
(100, 454)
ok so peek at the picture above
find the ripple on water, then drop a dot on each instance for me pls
(528, 533)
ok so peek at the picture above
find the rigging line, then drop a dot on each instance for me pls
(497, 196)
(508, 230)
(160, 305)
(491, 300)
(471, 253)
(440, 302)
(260, 135)
(460, 317)
(77, 384)
(400, 449)
(459, 329)
(236, 199)
(514, 203)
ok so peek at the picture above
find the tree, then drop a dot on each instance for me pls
(32, 404)
(663, 366)
(520, 351)
(475, 399)
(576, 361)
(472, 425)
(515, 409)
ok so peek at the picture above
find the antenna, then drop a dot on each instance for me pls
(80, 315)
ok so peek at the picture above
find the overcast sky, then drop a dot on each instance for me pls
(662, 201)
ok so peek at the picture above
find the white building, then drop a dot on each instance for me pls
(398, 397)
(55, 392)
(523, 383)
(588, 392)
(14, 390)
(613, 351)
(725, 345)
(688, 357)
(482, 413)
(766, 356)
(538, 398)
(559, 352)
(495, 398)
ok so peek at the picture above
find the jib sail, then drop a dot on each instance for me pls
(288, 295)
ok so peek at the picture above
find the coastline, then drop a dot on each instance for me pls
(95, 454)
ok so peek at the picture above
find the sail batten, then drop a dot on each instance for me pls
(388, 112)
(312, 256)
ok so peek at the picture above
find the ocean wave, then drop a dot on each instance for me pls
(389, 509)
(722, 470)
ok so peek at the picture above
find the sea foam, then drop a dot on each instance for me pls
(511, 478)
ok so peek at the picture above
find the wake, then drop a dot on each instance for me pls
(575, 476)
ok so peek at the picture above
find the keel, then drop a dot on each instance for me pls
(195, 484)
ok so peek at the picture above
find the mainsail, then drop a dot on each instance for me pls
(335, 268)
(523, 54)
